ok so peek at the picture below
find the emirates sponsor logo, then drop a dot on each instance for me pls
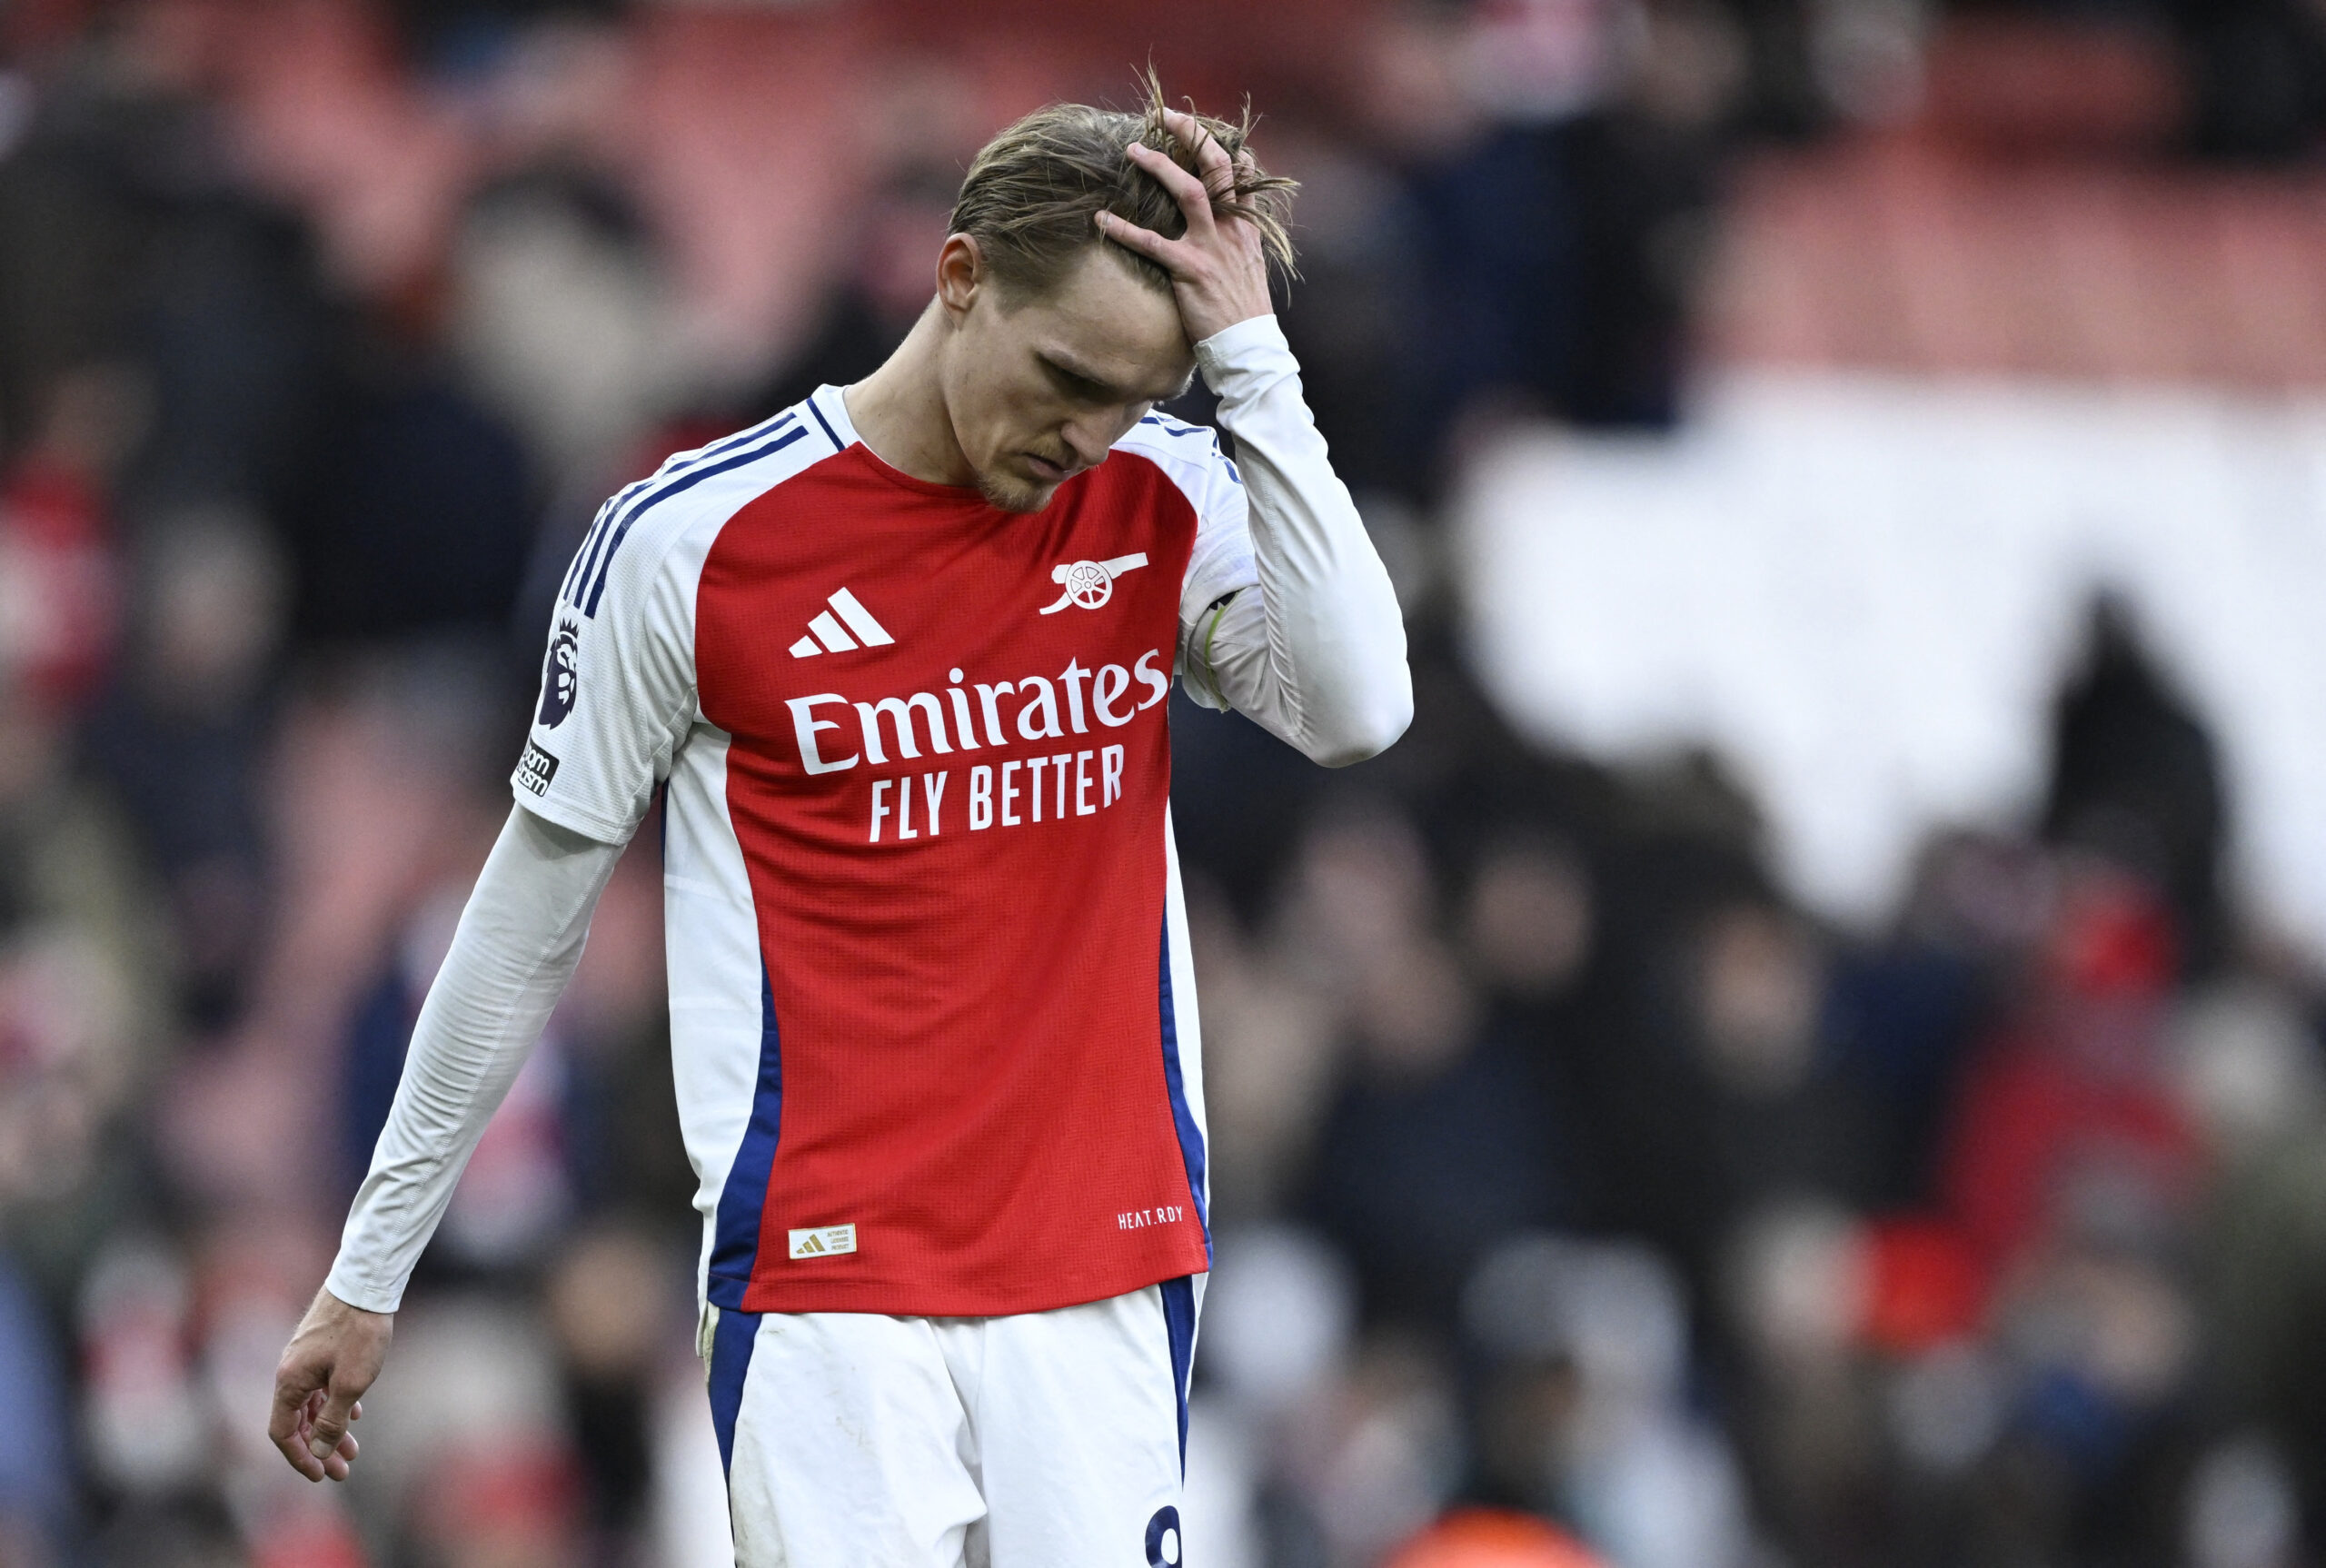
(974, 715)
(1058, 782)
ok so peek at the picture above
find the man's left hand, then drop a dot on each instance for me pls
(1219, 272)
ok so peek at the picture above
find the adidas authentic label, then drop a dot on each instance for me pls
(824, 1241)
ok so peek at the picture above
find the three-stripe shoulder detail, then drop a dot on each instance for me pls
(1188, 446)
(585, 578)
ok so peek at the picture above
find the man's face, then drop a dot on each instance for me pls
(1040, 388)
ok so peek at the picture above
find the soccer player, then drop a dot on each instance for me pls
(897, 660)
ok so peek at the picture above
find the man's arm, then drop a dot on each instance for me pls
(1317, 655)
(519, 940)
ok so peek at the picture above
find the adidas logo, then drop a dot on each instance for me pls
(831, 637)
(823, 1240)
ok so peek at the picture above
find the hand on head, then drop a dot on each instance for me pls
(1220, 266)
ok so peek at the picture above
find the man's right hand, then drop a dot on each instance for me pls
(324, 1370)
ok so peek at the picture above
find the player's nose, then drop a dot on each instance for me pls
(1087, 443)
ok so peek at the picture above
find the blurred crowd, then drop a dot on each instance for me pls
(1580, 1198)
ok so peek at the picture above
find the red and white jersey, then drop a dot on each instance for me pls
(931, 1009)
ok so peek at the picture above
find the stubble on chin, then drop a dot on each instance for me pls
(1004, 493)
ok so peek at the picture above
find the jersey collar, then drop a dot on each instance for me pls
(831, 410)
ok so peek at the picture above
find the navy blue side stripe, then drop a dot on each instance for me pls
(677, 487)
(730, 1363)
(1179, 1324)
(735, 1244)
(1183, 1116)
(837, 444)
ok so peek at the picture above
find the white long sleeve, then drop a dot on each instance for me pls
(519, 940)
(1318, 656)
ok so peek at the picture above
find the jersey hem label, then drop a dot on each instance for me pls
(823, 1240)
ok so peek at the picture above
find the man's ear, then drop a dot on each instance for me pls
(960, 274)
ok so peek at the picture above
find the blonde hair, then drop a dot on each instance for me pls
(1033, 193)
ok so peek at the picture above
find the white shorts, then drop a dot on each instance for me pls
(1047, 1440)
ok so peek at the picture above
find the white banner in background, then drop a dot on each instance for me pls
(1863, 591)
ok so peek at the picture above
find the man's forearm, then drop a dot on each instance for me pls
(1319, 659)
(519, 940)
